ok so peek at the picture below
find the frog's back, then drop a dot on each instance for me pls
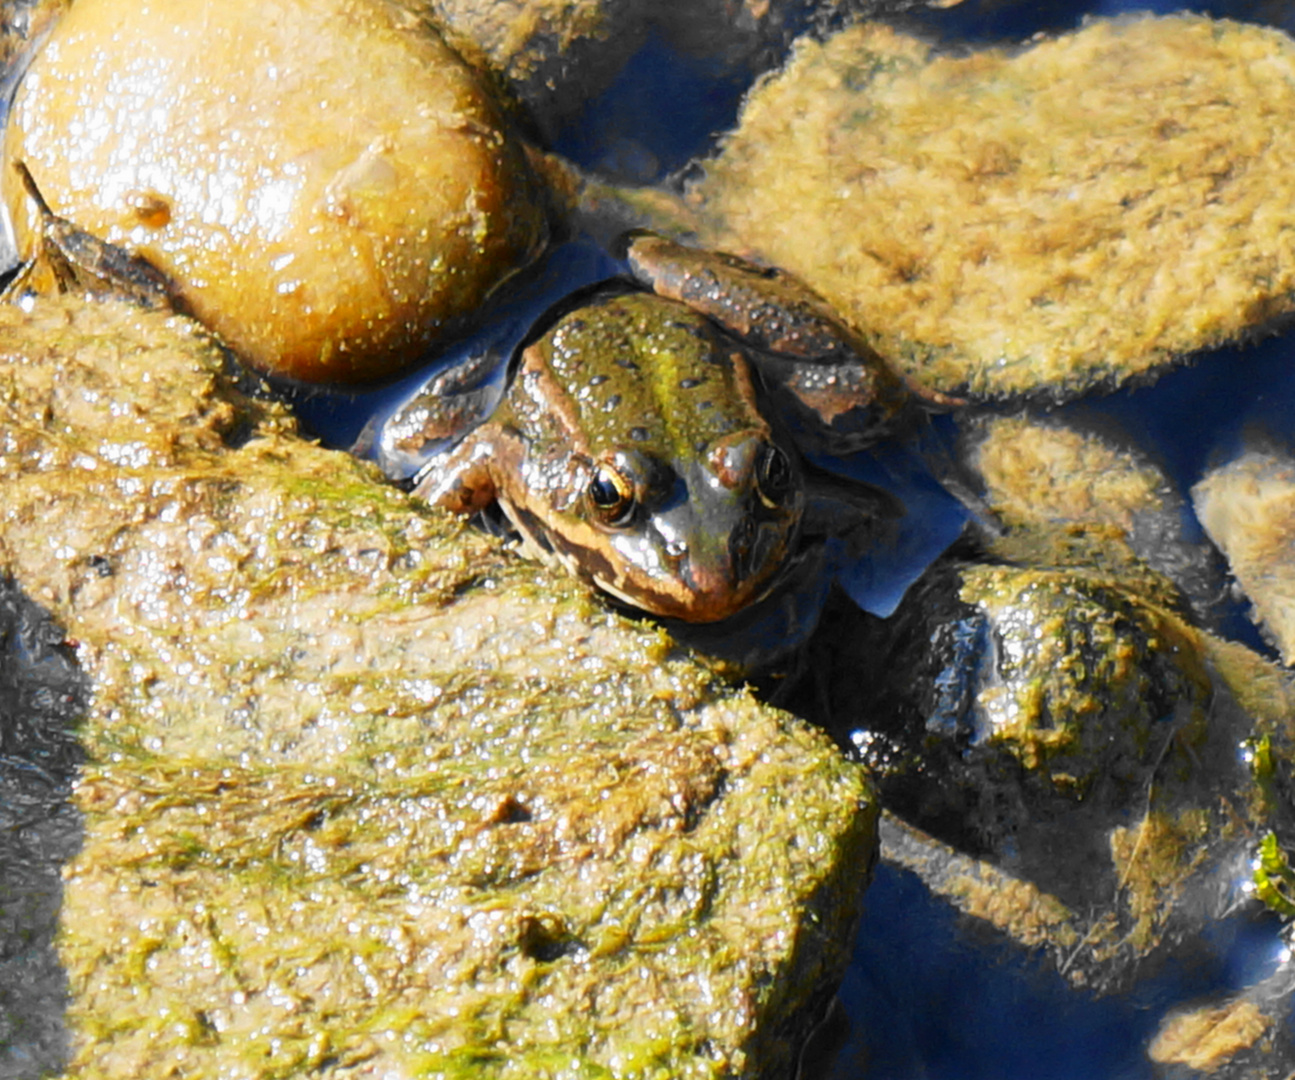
(658, 379)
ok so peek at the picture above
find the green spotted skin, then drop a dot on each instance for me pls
(630, 449)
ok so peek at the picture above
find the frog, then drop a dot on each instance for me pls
(650, 436)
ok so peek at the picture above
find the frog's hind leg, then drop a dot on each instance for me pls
(77, 260)
(934, 448)
(853, 511)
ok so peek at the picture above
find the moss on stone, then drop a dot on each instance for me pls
(1037, 221)
(1248, 509)
(366, 789)
(1086, 670)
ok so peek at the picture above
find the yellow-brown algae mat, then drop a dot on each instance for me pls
(1248, 509)
(1039, 221)
(367, 794)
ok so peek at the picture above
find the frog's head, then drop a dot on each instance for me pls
(696, 542)
(644, 465)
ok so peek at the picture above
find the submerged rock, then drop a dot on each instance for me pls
(553, 55)
(332, 188)
(1212, 1037)
(366, 792)
(43, 696)
(556, 56)
(1248, 509)
(1040, 471)
(1068, 757)
(992, 239)
(1078, 492)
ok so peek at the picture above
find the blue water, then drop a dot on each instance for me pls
(930, 998)
(927, 995)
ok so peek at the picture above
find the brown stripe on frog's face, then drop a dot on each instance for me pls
(697, 546)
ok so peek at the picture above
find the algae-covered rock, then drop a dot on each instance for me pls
(1208, 1037)
(1079, 493)
(364, 791)
(1248, 509)
(332, 188)
(1038, 470)
(1067, 757)
(1038, 222)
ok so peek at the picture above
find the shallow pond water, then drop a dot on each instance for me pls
(928, 993)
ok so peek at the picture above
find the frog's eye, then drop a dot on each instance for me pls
(774, 476)
(611, 495)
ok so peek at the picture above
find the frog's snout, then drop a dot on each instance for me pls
(734, 552)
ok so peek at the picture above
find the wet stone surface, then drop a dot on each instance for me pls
(362, 790)
(289, 750)
(328, 229)
(991, 238)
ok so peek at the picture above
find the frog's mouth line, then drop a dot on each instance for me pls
(590, 566)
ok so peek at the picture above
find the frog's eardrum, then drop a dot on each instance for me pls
(330, 186)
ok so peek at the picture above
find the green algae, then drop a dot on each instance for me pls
(1274, 879)
(1036, 221)
(1085, 671)
(364, 789)
(1063, 754)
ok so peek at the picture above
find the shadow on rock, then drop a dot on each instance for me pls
(43, 695)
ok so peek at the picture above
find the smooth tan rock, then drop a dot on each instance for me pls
(332, 188)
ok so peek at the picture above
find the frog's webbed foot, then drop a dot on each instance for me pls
(834, 408)
(69, 259)
(857, 513)
(444, 410)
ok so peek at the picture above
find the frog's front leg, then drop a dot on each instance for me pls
(448, 407)
(463, 479)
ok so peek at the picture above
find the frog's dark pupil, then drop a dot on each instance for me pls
(611, 496)
(603, 492)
